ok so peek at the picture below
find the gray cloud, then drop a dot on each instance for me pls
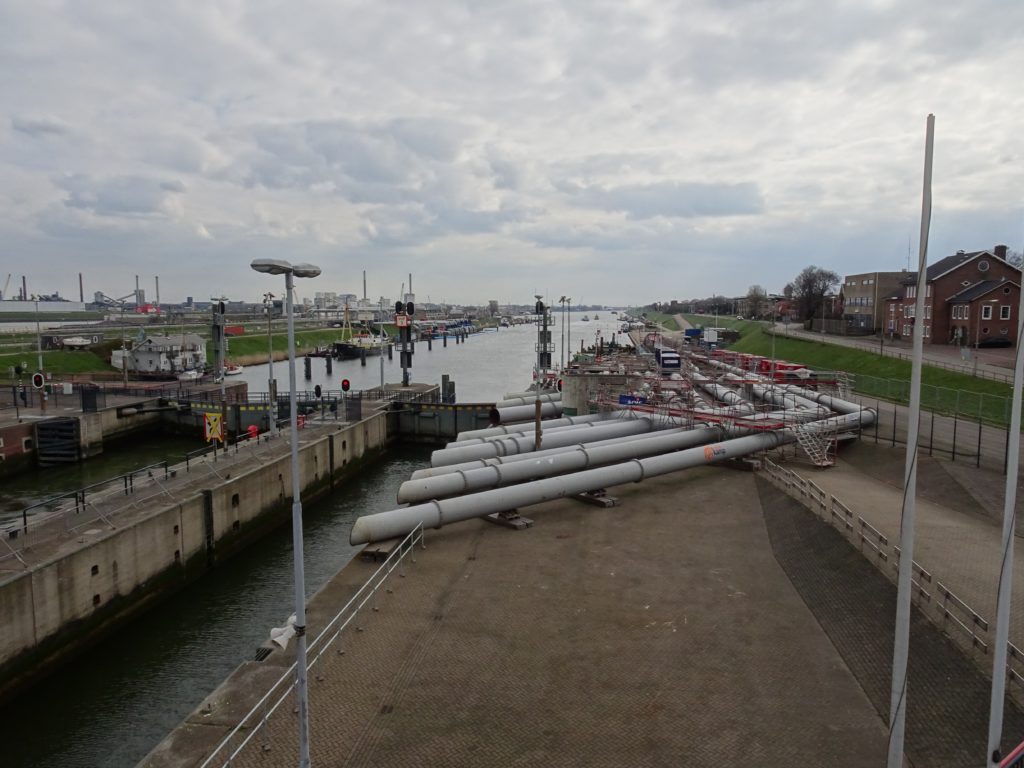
(39, 126)
(469, 140)
(119, 196)
(674, 199)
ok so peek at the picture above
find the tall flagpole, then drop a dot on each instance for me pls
(898, 697)
(995, 721)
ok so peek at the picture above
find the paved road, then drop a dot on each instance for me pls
(659, 633)
(992, 363)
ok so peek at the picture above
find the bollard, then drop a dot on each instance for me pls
(362, 357)
(308, 362)
(445, 337)
(330, 365)
(430, 343)
(391, 351)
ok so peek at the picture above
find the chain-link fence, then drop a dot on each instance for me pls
(977, 406)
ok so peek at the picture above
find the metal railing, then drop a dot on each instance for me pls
(951, 613)
(257, 717)
(127, 480)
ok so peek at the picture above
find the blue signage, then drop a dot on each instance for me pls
(632, 400)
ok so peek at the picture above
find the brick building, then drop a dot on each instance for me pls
(971, 296)
(863, 299)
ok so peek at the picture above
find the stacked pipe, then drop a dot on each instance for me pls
(501, 463)
(524, 443)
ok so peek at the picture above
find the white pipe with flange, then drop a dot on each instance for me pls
(434, 514)
(514, 413)
(565, 421)
(526, 443)
(732, 429)
(548, 428)
(529, 399)
(573, 460)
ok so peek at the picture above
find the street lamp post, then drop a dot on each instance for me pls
(39, 351)
(568, 331)
(268, 302)
(561, 357)
(291, 271)
(775, 306)
(977, 330)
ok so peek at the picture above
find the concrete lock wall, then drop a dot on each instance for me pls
(58, 607)
(579, 390)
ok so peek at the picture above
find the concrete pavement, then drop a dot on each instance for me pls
(706, 619)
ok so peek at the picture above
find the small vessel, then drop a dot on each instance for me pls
(76, 342)
(597, 317)
(359, 345)
(232, 369)
(585, 318)
(193, 374)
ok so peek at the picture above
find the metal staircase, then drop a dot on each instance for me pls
(815, 444)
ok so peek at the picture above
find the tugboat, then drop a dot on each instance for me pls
(359, 344)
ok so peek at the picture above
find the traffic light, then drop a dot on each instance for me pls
(18, 370)
(559, 385)
(345, 385)
(37, 380)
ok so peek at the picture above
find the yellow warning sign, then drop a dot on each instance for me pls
(213, 427)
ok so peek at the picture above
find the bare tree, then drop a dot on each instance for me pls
(757, 298)
(1015, 258)
(809, 289)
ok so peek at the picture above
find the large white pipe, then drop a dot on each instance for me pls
(419, 474)
(515, 413)
(731, 428)
(548, 428)
(525, 443)
(529, 399)
(574, 459)
(434, 514)
(565, 421)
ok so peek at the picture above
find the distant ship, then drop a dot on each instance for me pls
(586, 318)
(359, 345)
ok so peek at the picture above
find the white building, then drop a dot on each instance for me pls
(163, 354)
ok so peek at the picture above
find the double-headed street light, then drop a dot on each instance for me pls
(291, 271)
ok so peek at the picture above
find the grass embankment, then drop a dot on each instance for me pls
(252, 350)
(50, 317)
(723, 321)
(887, 377)
(668, 321)
(55, 361)
(244, 350)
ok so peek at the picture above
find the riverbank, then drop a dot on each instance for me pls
(88, 570)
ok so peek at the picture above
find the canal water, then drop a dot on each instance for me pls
(118, 458)
(110, 706)
(484, 367)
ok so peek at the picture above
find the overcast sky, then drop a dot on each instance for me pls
(617, 152)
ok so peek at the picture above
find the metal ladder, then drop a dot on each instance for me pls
(815, 444)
